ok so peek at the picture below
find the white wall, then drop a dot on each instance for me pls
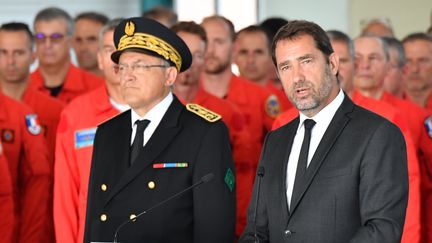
(329, 14)
(25, 10)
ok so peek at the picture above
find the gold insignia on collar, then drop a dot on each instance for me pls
(130, 28)
(208, 115)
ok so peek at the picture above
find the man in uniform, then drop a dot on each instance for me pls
(75, 136)
(157, 149)
(16, 47)
(258, 106)
(56, 75)
(86, 40)
(25, 150)
(252, 57)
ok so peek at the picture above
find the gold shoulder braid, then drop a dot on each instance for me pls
(203, 112)
(149, 42)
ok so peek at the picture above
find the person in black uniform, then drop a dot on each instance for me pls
(158, 148)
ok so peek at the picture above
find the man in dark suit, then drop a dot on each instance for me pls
(158, 148)
(338, 172)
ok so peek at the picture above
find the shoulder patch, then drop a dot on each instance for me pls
(32, 123)
(428, 125)
(272, 106)
(207, 114)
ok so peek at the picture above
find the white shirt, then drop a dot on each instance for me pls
(322, 119)
(154, 115)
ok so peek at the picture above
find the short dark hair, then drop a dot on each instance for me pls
(18, 27)
(272, 25)
(161, 12)
(53, 13)
(93, 16)
(254, 29)
(417, 36)
(190, 27)
(228, 22)
(398, 46)
(339, 36)
(297, 28)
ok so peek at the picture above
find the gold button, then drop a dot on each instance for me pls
(104, 187)
(103, 217)
(151, 185)
(132, 217)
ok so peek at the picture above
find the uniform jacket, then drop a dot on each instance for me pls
(7, 219)
(77, 82)
(355, 188)
(116, 191)
(26, 151)
(74, 148)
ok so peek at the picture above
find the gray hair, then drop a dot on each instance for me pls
(109, 26)
(397, 45)
(53, 13)
(339, 36)
(385, 47)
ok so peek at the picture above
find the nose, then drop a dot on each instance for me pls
(298, 75)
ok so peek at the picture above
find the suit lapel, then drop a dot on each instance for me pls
(333, 131)
(283, 152)
(161, 138)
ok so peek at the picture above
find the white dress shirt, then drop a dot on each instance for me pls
(154, 115)
(322, 119)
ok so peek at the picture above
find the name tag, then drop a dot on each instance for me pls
(84, 138)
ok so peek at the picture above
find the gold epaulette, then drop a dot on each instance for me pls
(203, 112)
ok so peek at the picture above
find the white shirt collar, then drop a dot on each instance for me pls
(118, 106)
(154, 115)
(326, 114)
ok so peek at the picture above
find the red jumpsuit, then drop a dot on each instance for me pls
(74, 147)
(77, 82)
(7, 219)
(26, 151)
(412, 227)
(259, 108)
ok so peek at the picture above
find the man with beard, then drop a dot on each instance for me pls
(258, 106)
(337, 173)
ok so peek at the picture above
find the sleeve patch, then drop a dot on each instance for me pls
(230, 179)
(272, 106)
(208, 115)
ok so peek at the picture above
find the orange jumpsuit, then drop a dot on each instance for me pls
(26, 151)
(259, 108)
(48, 110)
(283, 99)
(7, 219)
(77, 82)
(412, 227)
(74, 147)
(416, 118)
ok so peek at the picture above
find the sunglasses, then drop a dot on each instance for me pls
(54, 37)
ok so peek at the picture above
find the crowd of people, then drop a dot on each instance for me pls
(62, 135)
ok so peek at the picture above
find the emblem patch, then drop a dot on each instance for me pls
(272, 106)
(7, 135)
(84, 138)
(203, 112)
(428, 125)
(230, 179)
(33, 125)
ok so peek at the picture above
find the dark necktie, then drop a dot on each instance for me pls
(304, 151)
(139, 140)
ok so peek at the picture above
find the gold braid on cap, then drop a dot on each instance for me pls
(152, 43)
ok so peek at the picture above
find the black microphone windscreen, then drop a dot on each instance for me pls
(207, 177)
(260, 171)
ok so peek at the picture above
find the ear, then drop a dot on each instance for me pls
(170, 75)
(334, 63)
(99, 60)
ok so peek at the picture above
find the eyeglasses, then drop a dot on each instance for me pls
(137, 68)
(54, 37)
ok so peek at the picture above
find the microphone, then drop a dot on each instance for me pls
(260, 174)
(203, 180)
